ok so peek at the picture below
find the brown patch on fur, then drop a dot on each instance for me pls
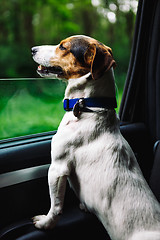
(102, 62)
(97, 57)
(66, 60)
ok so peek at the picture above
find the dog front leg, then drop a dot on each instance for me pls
(57, 187)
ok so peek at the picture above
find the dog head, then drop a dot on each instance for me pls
(73, 57)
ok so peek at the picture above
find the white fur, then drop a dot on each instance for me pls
(101, 168)
(44, 54)
(146, 235)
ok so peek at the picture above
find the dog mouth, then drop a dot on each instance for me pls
(50, 70)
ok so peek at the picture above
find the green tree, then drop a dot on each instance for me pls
(25, 23)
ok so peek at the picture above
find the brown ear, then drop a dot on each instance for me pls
(90, 54)
(100, 59)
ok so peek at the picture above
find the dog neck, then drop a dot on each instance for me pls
(86, 87)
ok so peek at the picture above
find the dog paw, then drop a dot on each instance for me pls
(45, 222)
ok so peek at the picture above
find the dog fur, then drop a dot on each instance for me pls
(90, 151)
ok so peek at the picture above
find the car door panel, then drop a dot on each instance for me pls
(24, 193)
(24, 187)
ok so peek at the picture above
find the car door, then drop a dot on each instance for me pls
(24, 193)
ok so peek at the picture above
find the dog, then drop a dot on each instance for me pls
(88, 149)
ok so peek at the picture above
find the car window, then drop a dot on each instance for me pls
(29, 104)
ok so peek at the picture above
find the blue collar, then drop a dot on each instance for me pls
(82, 103)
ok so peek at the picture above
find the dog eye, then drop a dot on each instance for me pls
(61, 47)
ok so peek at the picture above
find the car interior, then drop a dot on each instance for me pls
(24, 161)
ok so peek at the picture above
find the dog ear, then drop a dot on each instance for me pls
(90, 53)
(100, 59)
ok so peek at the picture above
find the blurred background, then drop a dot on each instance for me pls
(27, 23)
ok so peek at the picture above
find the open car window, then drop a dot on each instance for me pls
(29, 104)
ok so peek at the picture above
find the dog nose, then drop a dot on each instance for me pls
(34, 50)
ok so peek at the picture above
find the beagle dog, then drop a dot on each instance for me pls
(88, 149)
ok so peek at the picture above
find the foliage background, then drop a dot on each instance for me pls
(26, 23)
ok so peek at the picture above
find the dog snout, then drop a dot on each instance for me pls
(34, 50)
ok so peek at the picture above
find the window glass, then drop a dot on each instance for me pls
(29, 105)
